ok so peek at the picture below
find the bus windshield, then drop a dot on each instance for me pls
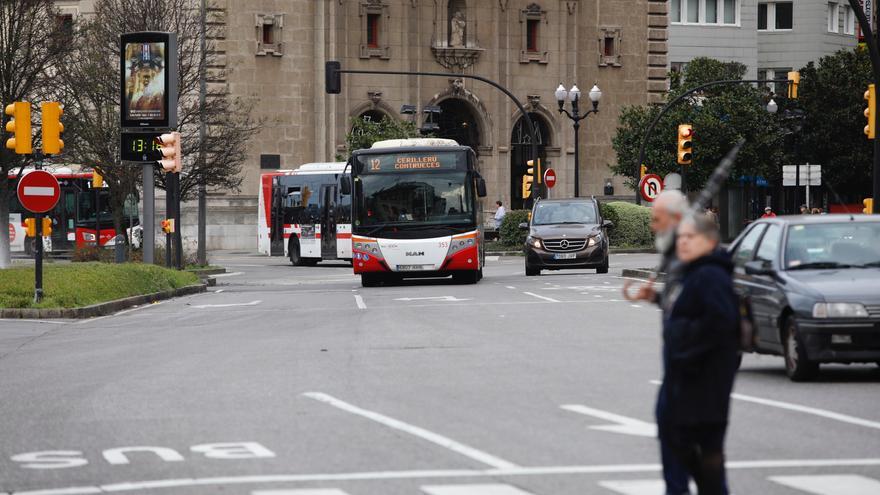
(433, 198)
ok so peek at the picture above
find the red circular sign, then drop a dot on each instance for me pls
(550, 177)
(38, 191)
(650, 187)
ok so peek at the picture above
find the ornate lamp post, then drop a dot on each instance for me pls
(573, 95)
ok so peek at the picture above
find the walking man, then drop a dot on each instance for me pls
(499, 215)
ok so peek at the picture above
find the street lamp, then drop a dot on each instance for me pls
(573, 95)
(772, 107)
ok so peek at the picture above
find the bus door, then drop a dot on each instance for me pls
(328, 221)
(64, 226)
(276, 220)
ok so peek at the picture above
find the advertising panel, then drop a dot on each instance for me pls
(149, 80)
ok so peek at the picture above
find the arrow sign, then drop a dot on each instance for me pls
(438, 298)
(624, 425)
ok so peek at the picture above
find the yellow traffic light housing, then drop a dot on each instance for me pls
(97, 179)
(794, 79)
(30, 227)
(169, 145)
(47, 226)
(643, 171)
(870, 96)
(685, 144)
(168, 226)
(869, 206)
(527, 186)
(20, 126)
(52, 127)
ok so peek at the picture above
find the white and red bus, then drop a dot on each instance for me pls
(302, 214)
(416, 211)
(75, 217)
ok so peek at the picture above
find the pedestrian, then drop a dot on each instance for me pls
(499, 214)
(804, 210)
(701, 354)
(710, 212)
(768, 212)
(817, 211)
(666, 213)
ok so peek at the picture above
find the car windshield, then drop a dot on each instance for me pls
(833, 245)
(564, 212)
(424, 198)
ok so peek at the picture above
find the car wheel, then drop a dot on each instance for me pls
(604, 267)
(797, 366)
(532, 271)
(370, 280)
(469, 277)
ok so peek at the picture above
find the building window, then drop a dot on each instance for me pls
(534, 47)
(268, 33)
(849, 20)
(833, 17)
(713, 12)
(609, 47)
(373, 30)
(270, 162)
(678, 67)
(775, 75)
(374, 33)
(775, 16)
(532, 34)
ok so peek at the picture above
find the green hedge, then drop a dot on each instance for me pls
(632, 224)
(510, 233)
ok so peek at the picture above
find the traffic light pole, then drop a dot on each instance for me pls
(38, 258)
(178, 235)
(169, 213)
(149, 239)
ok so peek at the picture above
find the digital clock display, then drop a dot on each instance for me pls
(140, 147)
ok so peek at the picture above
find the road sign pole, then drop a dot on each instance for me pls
(149, 240)
(169, 213)
(38, 259)
(178, 235)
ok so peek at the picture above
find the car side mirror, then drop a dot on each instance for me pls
(524, 226)
(481, 187)
(607, 224)
(345, 186)
(759, 267)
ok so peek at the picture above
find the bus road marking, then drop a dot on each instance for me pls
(360, 301)
(230, 305)
(549, 299)
(396, 424)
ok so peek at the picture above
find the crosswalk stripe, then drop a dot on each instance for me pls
(484, 489)
(637, 487)
(317, 491)
(836, 484)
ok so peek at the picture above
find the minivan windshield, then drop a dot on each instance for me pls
(547, 213)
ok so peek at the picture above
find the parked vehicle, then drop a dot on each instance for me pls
(813, 283)
(565, 234)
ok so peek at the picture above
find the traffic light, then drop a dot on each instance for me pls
(528, 179)
(869, 205)
(870, 96)
(97, 179)
(20, 126)
(52, 127)
(47, 227)
(168, 226)
(332, 77)
(794, 79)
(30, 227)
(643, 171)
(685, 144)
(169, 145)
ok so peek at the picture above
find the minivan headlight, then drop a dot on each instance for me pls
(534, 242)
(839, 310)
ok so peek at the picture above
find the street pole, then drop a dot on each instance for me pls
(169, 213)
(178, 230)
(201, 255)
(149, 240)
(577, 164)
(38, 260)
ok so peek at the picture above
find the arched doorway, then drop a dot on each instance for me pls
(372, 116)
(457, 121)
(520, 152)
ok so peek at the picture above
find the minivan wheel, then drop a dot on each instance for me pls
(797, 366)
(604, 267)
(532, 271)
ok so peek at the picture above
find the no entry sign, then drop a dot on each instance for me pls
(38, 191)
(650, 187)
(550, 177)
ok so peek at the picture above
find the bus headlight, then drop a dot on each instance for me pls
(457, 244)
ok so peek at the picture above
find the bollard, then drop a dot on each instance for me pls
(120, 248)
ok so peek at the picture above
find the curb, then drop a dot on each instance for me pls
(642, 273)
(504, 253)
(615, 250)
(100, 309)
(204, 272)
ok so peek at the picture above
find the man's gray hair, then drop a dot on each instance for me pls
(673, 202)
(704, 225)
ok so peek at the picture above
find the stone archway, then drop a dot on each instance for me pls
(520, 150)
(459, 121)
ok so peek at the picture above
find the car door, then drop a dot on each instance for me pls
(743, 252)
(767, 294)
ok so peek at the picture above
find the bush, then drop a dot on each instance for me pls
(108, 254)
(632, 224)
(510, 233)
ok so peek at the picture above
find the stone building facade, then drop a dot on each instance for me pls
(273, 52)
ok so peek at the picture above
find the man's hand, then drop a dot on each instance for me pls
(645, 291)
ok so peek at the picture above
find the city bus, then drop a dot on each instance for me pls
(302, 215)
(415, 211)
(74, 218)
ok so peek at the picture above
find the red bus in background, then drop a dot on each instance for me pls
(75, 218)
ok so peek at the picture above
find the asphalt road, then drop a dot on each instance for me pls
(297, 381)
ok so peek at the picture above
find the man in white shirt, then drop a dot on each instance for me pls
(499, 215)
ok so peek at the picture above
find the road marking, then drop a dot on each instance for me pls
(636, 487)
(550, 299)
(360, 301)
(844, 418)
(120, 313)
(132, 486)
(230, 305)
(510, 287)
(218, 291)
(233, 274)
(841, 484)
(485, 489)
(635, 306)
(434, 298)
(22, 320)
(319, 491)
(625, 425)
(493, 258)
(448, 443)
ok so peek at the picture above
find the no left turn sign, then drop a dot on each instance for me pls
(650, 187)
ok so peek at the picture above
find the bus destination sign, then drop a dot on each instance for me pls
(412, 162)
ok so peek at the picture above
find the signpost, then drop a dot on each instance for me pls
(802, 175)
(550, 178)
(38, 192)
(650, 187)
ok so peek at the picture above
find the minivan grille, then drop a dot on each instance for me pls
(564, 245)
(873, 310)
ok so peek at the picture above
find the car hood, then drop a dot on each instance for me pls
(844, 285)
(579, 230)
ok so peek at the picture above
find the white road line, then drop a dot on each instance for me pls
(28, 320)
(132, 486)
(550, 299)
(844, 418)
(230, 305)
(635, 487)
(841, 484)
(492, 258)
(218, 291)
(624, 424)
(233, 274)
(360, 301)
(485, 489)
(510, 287)
(309, 491)
(448, 443)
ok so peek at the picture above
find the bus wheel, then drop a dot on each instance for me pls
(370, 280)
(293, 252)
(469, 277)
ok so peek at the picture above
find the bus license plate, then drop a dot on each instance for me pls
(565, 256)
(413, 268)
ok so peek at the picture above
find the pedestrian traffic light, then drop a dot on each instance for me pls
(52, 127)
(20, 126)
(47, 227)
(168, 226)
(169, 145)
(869, 206)
(685, 144)
(794, 79)
(97, 179)
(643, 171)
(870, 96)
(332, 77)
(30, 227)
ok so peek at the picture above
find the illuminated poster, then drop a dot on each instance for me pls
(144, 81)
